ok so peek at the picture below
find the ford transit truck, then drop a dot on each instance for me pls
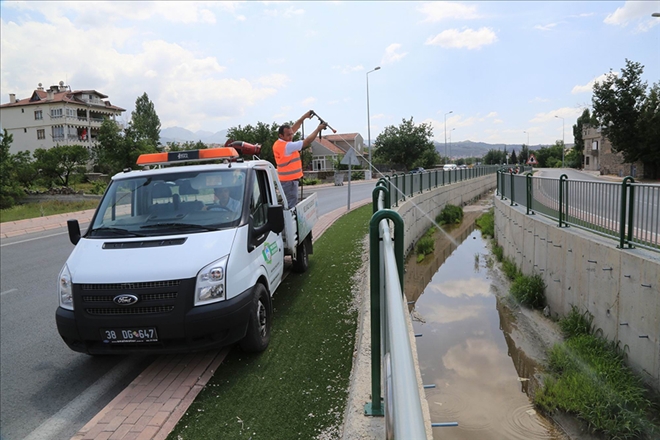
(166, 267)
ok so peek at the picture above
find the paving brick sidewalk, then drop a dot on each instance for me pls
(38, 224)
(150, 407)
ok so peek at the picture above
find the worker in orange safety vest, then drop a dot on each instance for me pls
(287, 156)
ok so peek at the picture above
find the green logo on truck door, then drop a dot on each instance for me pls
(270, 249)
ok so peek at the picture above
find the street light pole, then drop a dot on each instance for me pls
(368, 119)
(452, 111)
(563, 145)
(450, 140)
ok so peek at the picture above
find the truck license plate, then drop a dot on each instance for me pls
(129, 335)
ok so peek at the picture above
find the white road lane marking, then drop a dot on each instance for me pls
(8, 291)
(64, 417)
(82, 225)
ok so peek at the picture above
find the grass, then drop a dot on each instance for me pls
(588, 378)
(298, 387)
(486, 223)
(426, 244)
(450, 215)
(42, 209)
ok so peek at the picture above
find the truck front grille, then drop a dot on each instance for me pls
(153, 297)
(130, 311)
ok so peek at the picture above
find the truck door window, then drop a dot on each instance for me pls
(259, 199)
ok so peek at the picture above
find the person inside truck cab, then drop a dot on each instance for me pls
(287, 156)
(222, 201)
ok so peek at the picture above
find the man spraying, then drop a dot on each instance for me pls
(287, 156)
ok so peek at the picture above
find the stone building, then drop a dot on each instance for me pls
(598, 156)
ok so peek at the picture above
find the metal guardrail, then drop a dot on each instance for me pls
(404, 185)
(628, 212)
(391, 349)
(402, 406)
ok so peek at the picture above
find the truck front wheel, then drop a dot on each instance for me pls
(258, 332)
(301, 263)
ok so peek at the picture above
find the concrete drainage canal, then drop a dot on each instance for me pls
(466, 349)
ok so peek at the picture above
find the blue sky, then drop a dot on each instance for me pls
(504, 69)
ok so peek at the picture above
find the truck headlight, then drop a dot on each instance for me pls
(210, 286)
(65, 289)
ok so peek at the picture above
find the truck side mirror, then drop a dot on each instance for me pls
(74, 231)
(276, 218)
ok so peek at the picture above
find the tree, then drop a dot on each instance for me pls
(513, 158)
(524, 154)
(625, 112)
(116, 151)
(10, 191)
(408, 144)
(57, 164)
(145, 124)
(494, 157)
(550, 157)
(264, 135)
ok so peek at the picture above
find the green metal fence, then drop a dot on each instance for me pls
(628, 212)
(394, 388)
(404, 185)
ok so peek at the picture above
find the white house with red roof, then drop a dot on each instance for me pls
(57, 116)
(329, 148)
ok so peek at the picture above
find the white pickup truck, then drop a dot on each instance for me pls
(164, 267)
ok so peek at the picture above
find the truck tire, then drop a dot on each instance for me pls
(259, 324)
(301, 263)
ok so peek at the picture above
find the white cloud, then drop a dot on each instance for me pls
(588, 87)
(491, 115)
(498, 121)
(97, 13)
(308, 101)
(635, 12)
(348, 69)
(469, 38)
(546, 27)
(568, 113)
(438, 11)
(184, 87)
(276, 80)
(391, 54)
(289, 12)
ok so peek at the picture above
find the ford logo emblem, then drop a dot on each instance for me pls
(125, 300)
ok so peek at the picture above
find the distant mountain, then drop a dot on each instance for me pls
(478, 149)
(179, 134)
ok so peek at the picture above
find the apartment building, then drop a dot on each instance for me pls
(56, 116)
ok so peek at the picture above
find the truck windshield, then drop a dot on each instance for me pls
(175, 203)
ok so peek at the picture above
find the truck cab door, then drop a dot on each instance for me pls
(265, 244)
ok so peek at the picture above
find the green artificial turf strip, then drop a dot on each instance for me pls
(298, 387)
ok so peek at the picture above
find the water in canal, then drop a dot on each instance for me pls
(465, 349)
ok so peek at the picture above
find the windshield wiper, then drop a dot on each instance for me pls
(118, 231)
(179, 226)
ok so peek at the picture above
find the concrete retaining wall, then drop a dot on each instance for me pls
(620, 287)
(419, 212)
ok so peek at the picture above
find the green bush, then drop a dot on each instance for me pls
(498, 251)
(425, 245)
(307, 181)
(451, 214)
(486, 223)
(576, 323)
(529, 290)
(98, 187)
(510, 269)
(589, 379)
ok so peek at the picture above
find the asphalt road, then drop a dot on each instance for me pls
(48, 391)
